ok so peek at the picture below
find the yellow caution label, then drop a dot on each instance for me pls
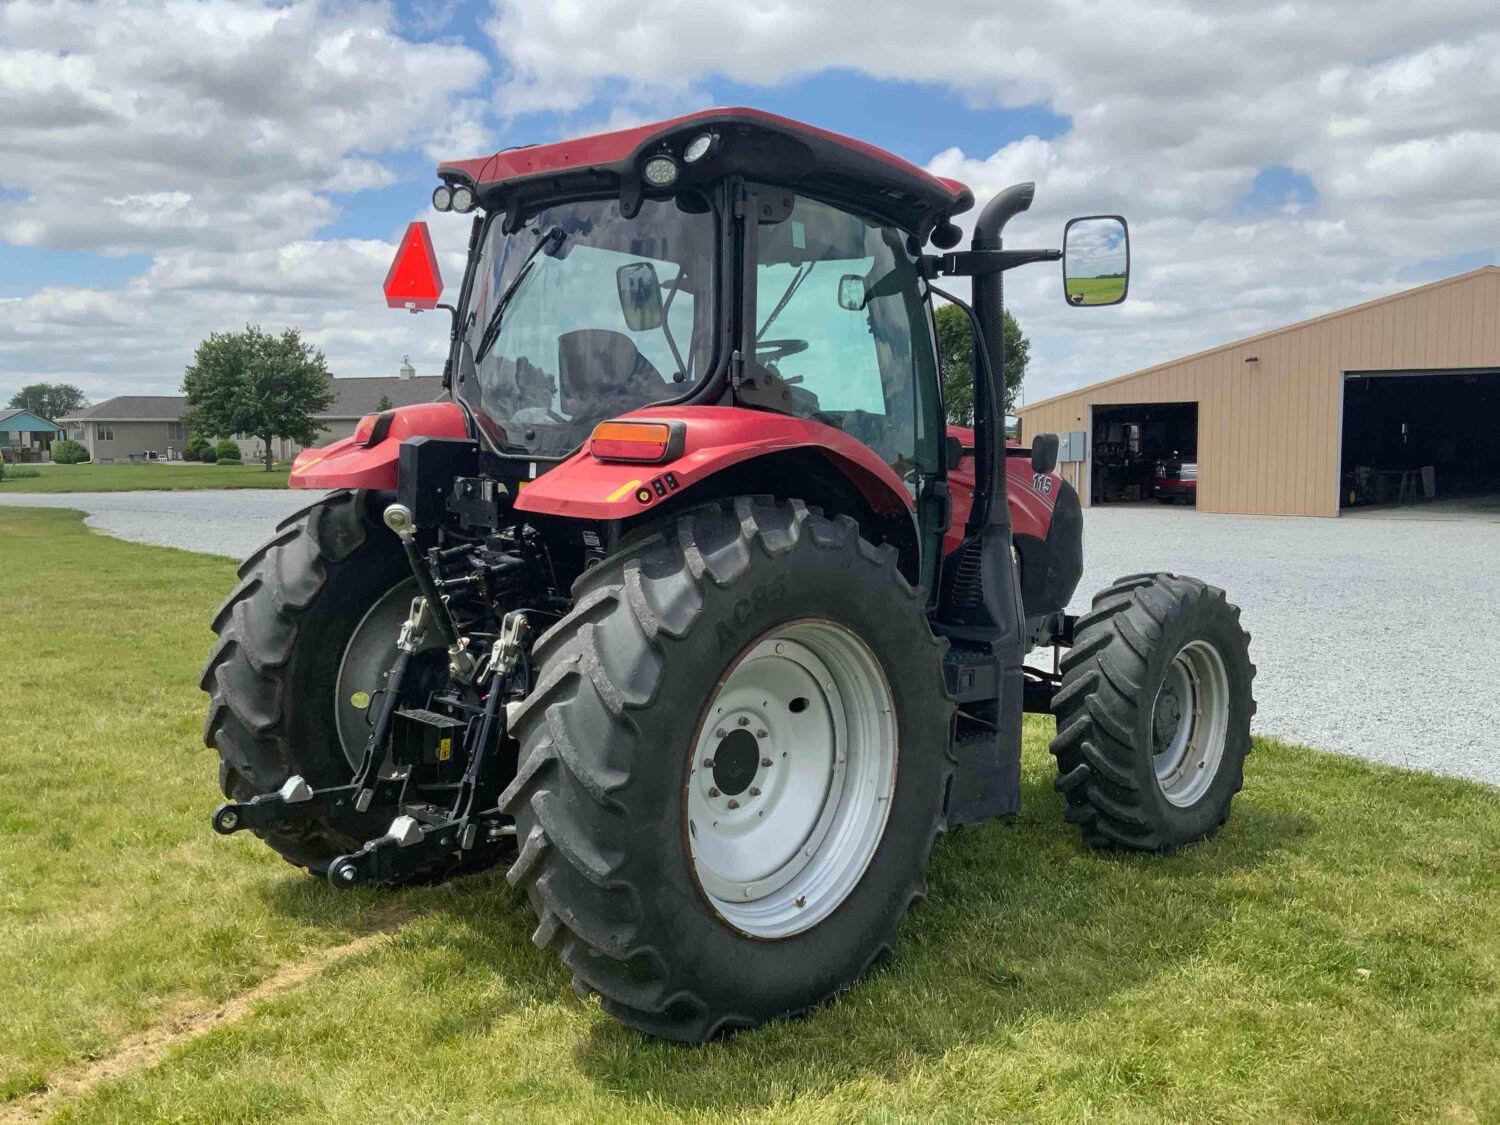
(360, 699)
(445, 749)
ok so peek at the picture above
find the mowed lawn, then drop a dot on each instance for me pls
(139, 477)
(1333, 955)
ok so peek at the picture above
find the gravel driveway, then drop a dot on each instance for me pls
(1373, 637)
(230, 522)
(1349, 616)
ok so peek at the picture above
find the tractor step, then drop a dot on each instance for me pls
(972, 672)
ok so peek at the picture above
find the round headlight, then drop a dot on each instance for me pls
(660, 171)
(442, 198)
(463, 199)
(698, 147)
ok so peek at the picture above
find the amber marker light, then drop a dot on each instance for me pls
(371, 429)
(644, 442)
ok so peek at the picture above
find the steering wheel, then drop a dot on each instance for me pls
(772, 351)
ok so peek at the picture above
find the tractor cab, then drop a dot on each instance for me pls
(688, 605)
(724, 258)
(729, 258)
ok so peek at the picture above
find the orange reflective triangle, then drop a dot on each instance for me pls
(414, 281)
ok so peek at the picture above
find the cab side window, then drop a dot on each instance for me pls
(841, 316)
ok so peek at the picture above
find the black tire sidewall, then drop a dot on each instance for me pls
(725, 968)
(1211, 620)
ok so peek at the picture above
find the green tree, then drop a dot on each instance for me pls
(956, 362)
(252, 382)
(384, 404)
(49, 400)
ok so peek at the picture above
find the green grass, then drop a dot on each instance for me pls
(1333, 955)
(144, 476)
(1096, 290)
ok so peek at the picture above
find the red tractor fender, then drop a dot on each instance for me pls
(1032, 495)
(343, 464)
(714, 438)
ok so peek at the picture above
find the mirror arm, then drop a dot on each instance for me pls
(974, 263)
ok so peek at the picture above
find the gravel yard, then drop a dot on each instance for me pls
(1348, 615)
(1348, 618)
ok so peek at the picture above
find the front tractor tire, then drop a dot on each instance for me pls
(304, 640)
(1153, 714)
(732, 769)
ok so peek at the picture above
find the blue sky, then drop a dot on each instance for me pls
(167, 172)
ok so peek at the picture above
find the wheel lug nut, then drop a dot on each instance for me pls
(734, 804)
(708, 763)
(713, 792)
(744, 722)
(754, 792)
(765, 761)
(721, 733)
(762, 734)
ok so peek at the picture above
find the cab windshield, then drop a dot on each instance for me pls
(584, 314)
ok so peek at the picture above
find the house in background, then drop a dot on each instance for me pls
(25, 436)
(140, 427)
(130, 428)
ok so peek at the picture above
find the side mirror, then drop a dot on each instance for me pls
(1044, 453)
(852, 294)
(953, 453)
(640, 295)
(1096, 260)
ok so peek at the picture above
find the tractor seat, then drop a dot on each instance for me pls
(602, 373)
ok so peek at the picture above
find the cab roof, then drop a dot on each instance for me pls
(747, 142)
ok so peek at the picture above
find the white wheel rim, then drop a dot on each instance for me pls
(1190, 722)
(791, 779)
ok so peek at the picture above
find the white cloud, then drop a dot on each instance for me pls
(146, 126)
(211, 136)
(139, 337)
(1391, 109)
(215, 136)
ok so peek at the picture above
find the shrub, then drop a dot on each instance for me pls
(207, 455)
(197, 445)
(69, 452)
(228, 450)
(16, 472)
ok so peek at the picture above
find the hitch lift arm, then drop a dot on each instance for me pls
(420, 833)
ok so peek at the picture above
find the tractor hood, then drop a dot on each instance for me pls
(707, 146)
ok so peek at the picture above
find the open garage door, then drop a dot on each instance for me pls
(1421, 437)
(1144, 452)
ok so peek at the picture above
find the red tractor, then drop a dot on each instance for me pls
(688, 606)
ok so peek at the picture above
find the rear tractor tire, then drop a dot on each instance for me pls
(732, 769)
(304, 642)
(1153, 714)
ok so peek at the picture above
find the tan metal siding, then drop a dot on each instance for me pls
(1268, 432)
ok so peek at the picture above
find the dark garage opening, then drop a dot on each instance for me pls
(1420, 437)
(1143, 452)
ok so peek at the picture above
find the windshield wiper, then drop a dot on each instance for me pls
(797, 279)
(550, 242)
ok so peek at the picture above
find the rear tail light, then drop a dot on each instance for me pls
(647, 442)
(372, 428)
